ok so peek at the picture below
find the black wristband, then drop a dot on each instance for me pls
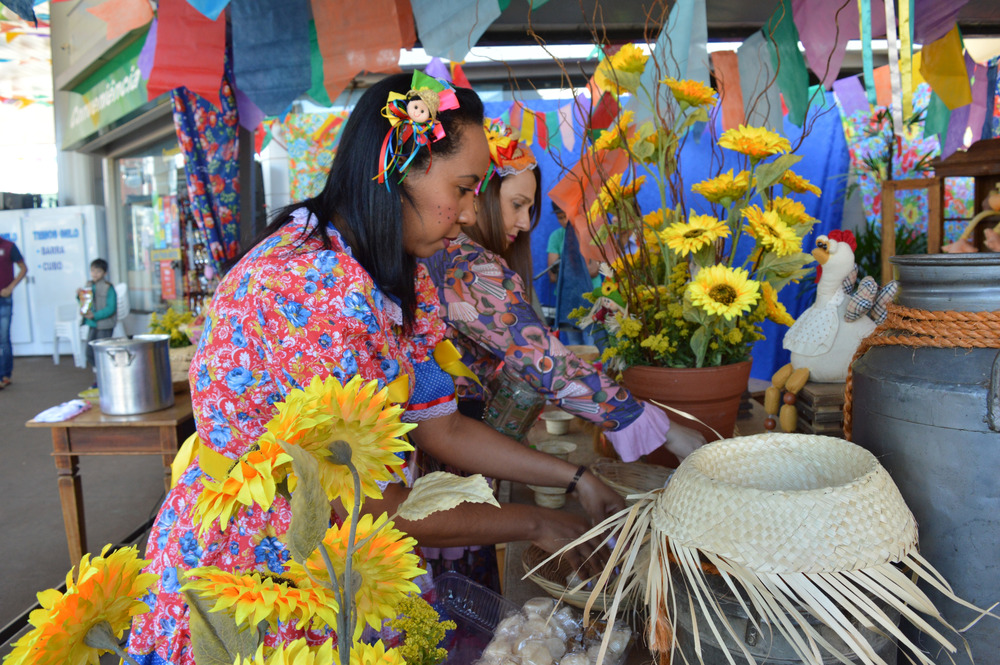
(576, 478)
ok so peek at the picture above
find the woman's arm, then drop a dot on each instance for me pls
(477, 448)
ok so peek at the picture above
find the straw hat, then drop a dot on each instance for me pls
(796, 525)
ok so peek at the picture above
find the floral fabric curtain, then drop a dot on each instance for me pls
(208, 139)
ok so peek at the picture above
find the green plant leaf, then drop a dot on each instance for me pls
(699, 344)
(770, 173)
(310, 508)
(443, 491)
(216, 639)
(780, 270)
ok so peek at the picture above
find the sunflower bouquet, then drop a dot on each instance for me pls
(327, 443)
(685, 288)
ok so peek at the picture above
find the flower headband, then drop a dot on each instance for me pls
(413, 117)
(507, 155)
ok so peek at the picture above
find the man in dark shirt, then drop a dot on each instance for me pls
(9, 257)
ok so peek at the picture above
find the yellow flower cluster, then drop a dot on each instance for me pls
(172, 322)
(693, 93)
(724, 291)
(754, 142)
(771, 232)
(792, 212)
(629, 326)
(775, 310)
(614, 192)
(620, 72)
(614, 136)
(423, 631)
(796, 183)
(699, 231)
(724, 188)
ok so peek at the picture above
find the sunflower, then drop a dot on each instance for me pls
(724, 291)
(698, 232)
(611, 137)
(255, 597)
(771, 232)
(724, 186)
(385, 563)
(754, 142)
(297, 652)
(796, 183)
(791, 212)
(656, 220)
(620, 72)
(693, 93)
(614, 191)
(371, 654)
(252, 480)
(775, 310)
(107, 589)
(361, 415)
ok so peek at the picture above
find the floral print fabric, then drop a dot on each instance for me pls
(288, 311)
(490, 321)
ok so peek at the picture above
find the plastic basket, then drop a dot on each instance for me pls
(476, 611)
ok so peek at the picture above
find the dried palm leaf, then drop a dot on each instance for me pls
(796, 527)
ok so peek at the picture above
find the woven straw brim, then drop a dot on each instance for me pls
(628, 478)
(552, 577)
(775, 503)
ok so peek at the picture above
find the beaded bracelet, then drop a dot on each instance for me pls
(579, 474)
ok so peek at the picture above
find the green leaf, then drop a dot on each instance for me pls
(627, 80)
(770, 173)
(310, 508)
(699, 344)
(780, 270)
(443, 491)
(216, 639)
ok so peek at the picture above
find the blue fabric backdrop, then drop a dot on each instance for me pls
(825, 161)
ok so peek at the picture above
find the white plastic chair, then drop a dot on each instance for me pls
(124, 309)
(68, 321)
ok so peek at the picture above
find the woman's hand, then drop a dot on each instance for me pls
(560, 528)
(682, 441)
(597, 499)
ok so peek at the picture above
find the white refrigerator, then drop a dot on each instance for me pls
(58, 245)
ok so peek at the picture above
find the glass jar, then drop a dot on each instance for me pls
(512, 405)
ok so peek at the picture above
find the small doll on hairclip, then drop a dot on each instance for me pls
(414, 124)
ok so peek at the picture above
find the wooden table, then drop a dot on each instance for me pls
(95, 433)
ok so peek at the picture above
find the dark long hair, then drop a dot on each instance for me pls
(367, 213)
(488, 230)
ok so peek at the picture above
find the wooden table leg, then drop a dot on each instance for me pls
(168, 444)
(70, 494)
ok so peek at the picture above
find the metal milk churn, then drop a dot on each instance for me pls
(932, 417)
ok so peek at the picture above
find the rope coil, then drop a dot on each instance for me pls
(912, 327)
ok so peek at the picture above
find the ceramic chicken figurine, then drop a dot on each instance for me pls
(824, 338)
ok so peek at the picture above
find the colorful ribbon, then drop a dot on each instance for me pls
(906, 55)
(450, 360)
(865, 22)
(895, 86)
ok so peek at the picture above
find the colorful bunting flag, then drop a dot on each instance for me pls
(552, 128)
(148, 52)
(727, 80)
(867, 63)
(883, 86)
(450, 28)
(209, 8)
(528, 126)
(895, 84)
(317, 91)
(458, 78)
(991, 94)
(906, 55)
(977, 112)
(824, 28)
(793, 78)
(122, 16)
(437, 69)
(190, 52)
(761, 98)
(542, 131)
(271, 59)
(942, 64)
(23, 8)
(516, 115)
(249, 113)
(934, 18)
(566, 132)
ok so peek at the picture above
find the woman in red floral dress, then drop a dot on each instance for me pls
(334, 289)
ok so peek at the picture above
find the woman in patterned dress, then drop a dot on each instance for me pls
(487, 306)
(333, 288)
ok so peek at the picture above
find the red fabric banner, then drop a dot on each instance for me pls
(190, 51)
(542, 131)
(727, 80)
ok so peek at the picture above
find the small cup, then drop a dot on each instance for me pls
(557, 448)
(549, 497)
(557, 422)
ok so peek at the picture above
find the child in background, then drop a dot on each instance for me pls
(99, 306)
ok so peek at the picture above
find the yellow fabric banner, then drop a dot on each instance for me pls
(942, 64)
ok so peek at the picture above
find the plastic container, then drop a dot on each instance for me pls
(557, 422)
(512, 406)
(476, 611)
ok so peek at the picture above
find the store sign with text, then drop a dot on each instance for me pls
(110, 93)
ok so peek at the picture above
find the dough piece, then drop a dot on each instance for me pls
(498, 649)
(535, 652)
(539, 606)
(575, 659)
(536, 626)
(619, 641)
(566, 619)
(510, 628)
(556, 647)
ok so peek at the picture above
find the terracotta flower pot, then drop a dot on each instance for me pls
(712, 394)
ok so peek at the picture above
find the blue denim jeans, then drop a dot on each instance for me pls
(6, 352)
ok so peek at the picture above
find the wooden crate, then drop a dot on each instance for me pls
(821, 409)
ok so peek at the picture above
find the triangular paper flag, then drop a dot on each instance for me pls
(566, 130)
(458, 78)
(942, 64)
(761, 97)
(437, 69)
(516, 115)
(190, 52)
(793, 78)
(727, 80)
(542, 130)
(450, 28)
(317, 91)
(883, 87)
(604, 112)
(122, 16)
(271, 51)
(209, 8)
(528, 127)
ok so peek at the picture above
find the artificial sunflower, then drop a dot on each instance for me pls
(255, 597)
(699, 231)
(297, 652)
(252, 480)
(792, 212)
(613, 192)
(107, 590)
(614, 136)
(620, 72)
(793, 182)
(775, 310)
(754, 142)
(724, 188)
(693, 93)
(724, 291)
(386, 564)
(771, 232)
(371, 654)
(361, 415)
